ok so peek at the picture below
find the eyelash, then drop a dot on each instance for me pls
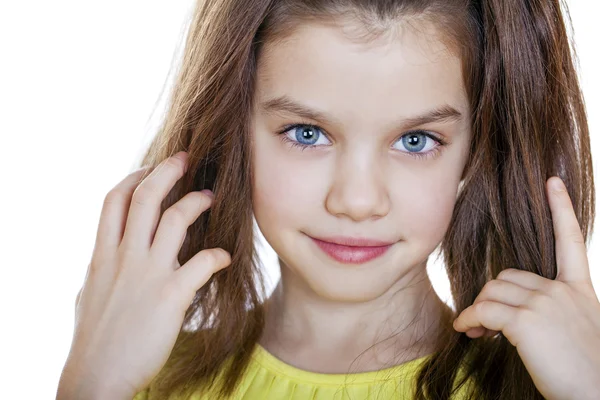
(431, 153)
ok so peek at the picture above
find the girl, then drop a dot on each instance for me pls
(360, 135)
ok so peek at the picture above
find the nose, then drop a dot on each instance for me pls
(358, 190)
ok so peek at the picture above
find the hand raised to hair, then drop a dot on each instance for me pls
(131, 307)
(554, 324)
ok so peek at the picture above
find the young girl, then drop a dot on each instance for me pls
(360, 135)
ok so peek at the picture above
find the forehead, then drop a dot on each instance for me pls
(403, 71)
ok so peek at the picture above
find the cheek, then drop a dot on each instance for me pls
(427, 208)
(286, 188)
(429, 204)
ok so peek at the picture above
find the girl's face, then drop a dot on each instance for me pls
(357, 170)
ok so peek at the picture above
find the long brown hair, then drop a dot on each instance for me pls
(528, 121)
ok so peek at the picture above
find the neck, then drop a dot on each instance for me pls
(324, 335)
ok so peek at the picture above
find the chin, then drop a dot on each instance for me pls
(349, 294)
(342, 283)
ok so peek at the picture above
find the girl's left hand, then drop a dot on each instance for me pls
(554, 324)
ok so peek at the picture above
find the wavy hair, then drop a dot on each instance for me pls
(528, 122)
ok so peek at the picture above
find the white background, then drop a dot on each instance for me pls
(79, 88)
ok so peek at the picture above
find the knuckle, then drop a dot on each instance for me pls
(556, 288)
(144, 194)
(98, 266)
(93, 266)
(78, 296)
(175, 215)
(505, 273)
(538, 301)
(491, 285)
(480, 307)
(114, 196)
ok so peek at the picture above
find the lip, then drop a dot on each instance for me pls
(352, 250)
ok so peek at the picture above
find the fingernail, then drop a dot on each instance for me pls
(182, 155)
(558, 185)
(208, 192)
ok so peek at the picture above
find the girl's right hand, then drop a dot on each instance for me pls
(131, 307)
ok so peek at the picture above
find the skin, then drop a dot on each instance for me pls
(361, 180)
(554, 324)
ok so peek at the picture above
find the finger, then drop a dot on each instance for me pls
(571, 253)
(525, 279)
(488, 314)
(476, 332)
(114, 213)
(144, 211)
(504, 292)
(174, 223)
(479, 332)
(192, 275)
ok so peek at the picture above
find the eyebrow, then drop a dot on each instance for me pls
(443, 113)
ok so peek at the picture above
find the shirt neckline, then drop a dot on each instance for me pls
(279, 367)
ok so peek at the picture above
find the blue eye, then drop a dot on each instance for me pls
(415, 142)
(305, 135)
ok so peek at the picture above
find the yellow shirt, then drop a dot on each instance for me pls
(269, 378)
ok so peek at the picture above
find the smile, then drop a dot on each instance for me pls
(361, 251)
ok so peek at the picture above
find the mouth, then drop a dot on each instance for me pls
(349, 250)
